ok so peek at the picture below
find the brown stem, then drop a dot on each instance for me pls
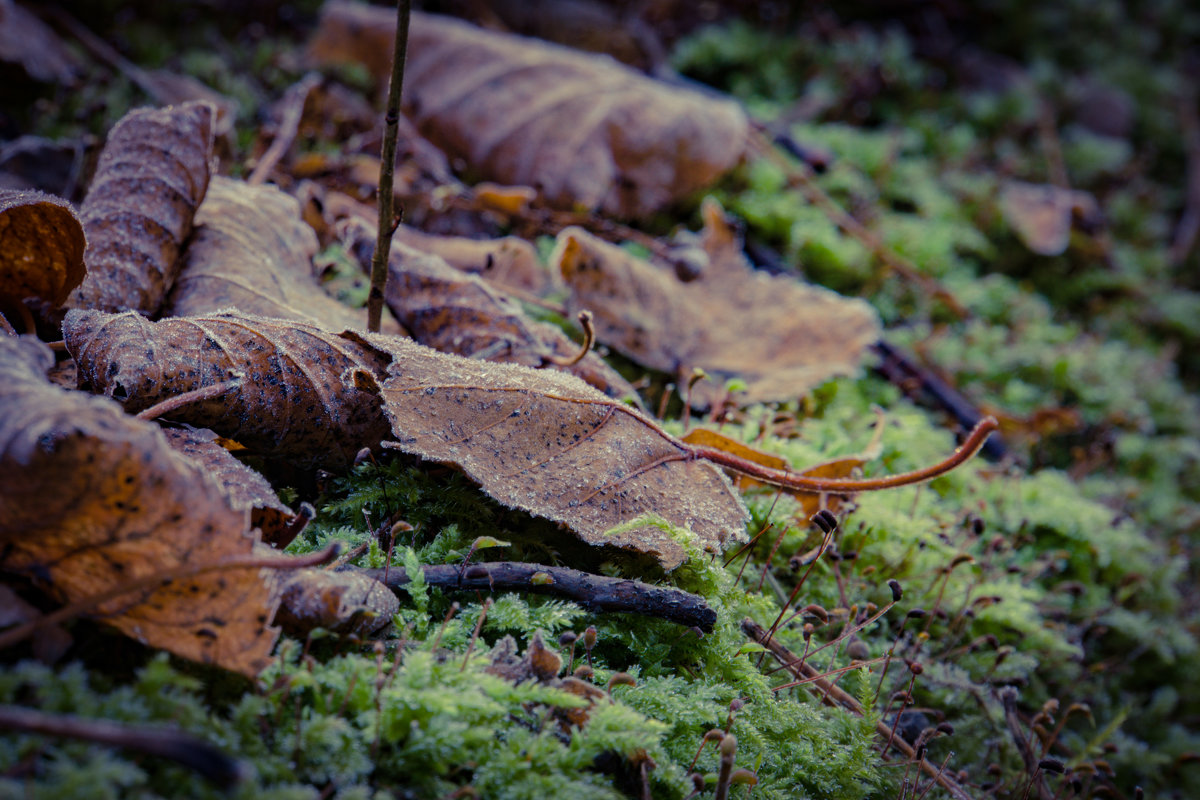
(836, 696)
(594, 592)
(21, 632)
(589, 339)
(190, 751)
(187, 398)
(974, 441)
(387, 225)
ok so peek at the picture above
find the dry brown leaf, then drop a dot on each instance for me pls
(41, 249)
(292, 403)
(537, 440)
(511, 262)
(252, 251)
(245, 488)
(550, 444)
(454, 312)
(1041, 214)
(780, 336)
(94, 499)
(152, 175)
(348, 603)
(582, 129)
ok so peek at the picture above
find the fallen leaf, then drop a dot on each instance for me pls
(93, 500)
(41, 249)
(510, 262)
(583, 129)
(292, 403)
(26, 40)
(454, 312)
(151, 177)
(1040, 214)
(537, 440)
(245, 488)
(348, 603)
(778, 335)
(251, 251)
(550, 444)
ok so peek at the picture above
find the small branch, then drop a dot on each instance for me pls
(978, 436)
(589, 339)
(594, 592)
(387, 225)
(82, 606)
(289, 124)
(191, 751)
(833, 695)
(187, 398)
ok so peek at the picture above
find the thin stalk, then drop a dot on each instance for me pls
(387, 225)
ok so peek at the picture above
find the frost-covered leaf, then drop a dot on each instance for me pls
(94, 499)
(41, 249)
(583, 129)
(152, 175)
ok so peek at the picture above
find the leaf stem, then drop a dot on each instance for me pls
(978, 436)
(387, 225)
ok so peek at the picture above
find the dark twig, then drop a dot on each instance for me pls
(594, 592)
(836, 696)
(387, 225)
(183, 748)
(898, 368)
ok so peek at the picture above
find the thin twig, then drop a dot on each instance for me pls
(191, 751)
(834, 695)
(289, 123)
(387, 225)
(594, 592)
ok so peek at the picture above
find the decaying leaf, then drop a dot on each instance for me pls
(1041, 214)
(511, 262)
(245, 488)
(582, 129)
(41, 249)
(550, 444)
(152, 175)
(780, 336)
(26, 40)
(94, 499)
(348, 603)
(534, 439)
(454, 312)
(542, 664)
(252, 251)
(292, 403)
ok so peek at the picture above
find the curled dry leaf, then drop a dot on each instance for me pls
(780, 336)
(245, 488)
(292, 403)
(583, 129)
(93, 500)
(454, 312)
(252, 251)
(152, 175)
(41, 249)
(349, 603)
(550, 444)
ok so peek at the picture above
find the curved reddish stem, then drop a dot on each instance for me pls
(789, 480)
